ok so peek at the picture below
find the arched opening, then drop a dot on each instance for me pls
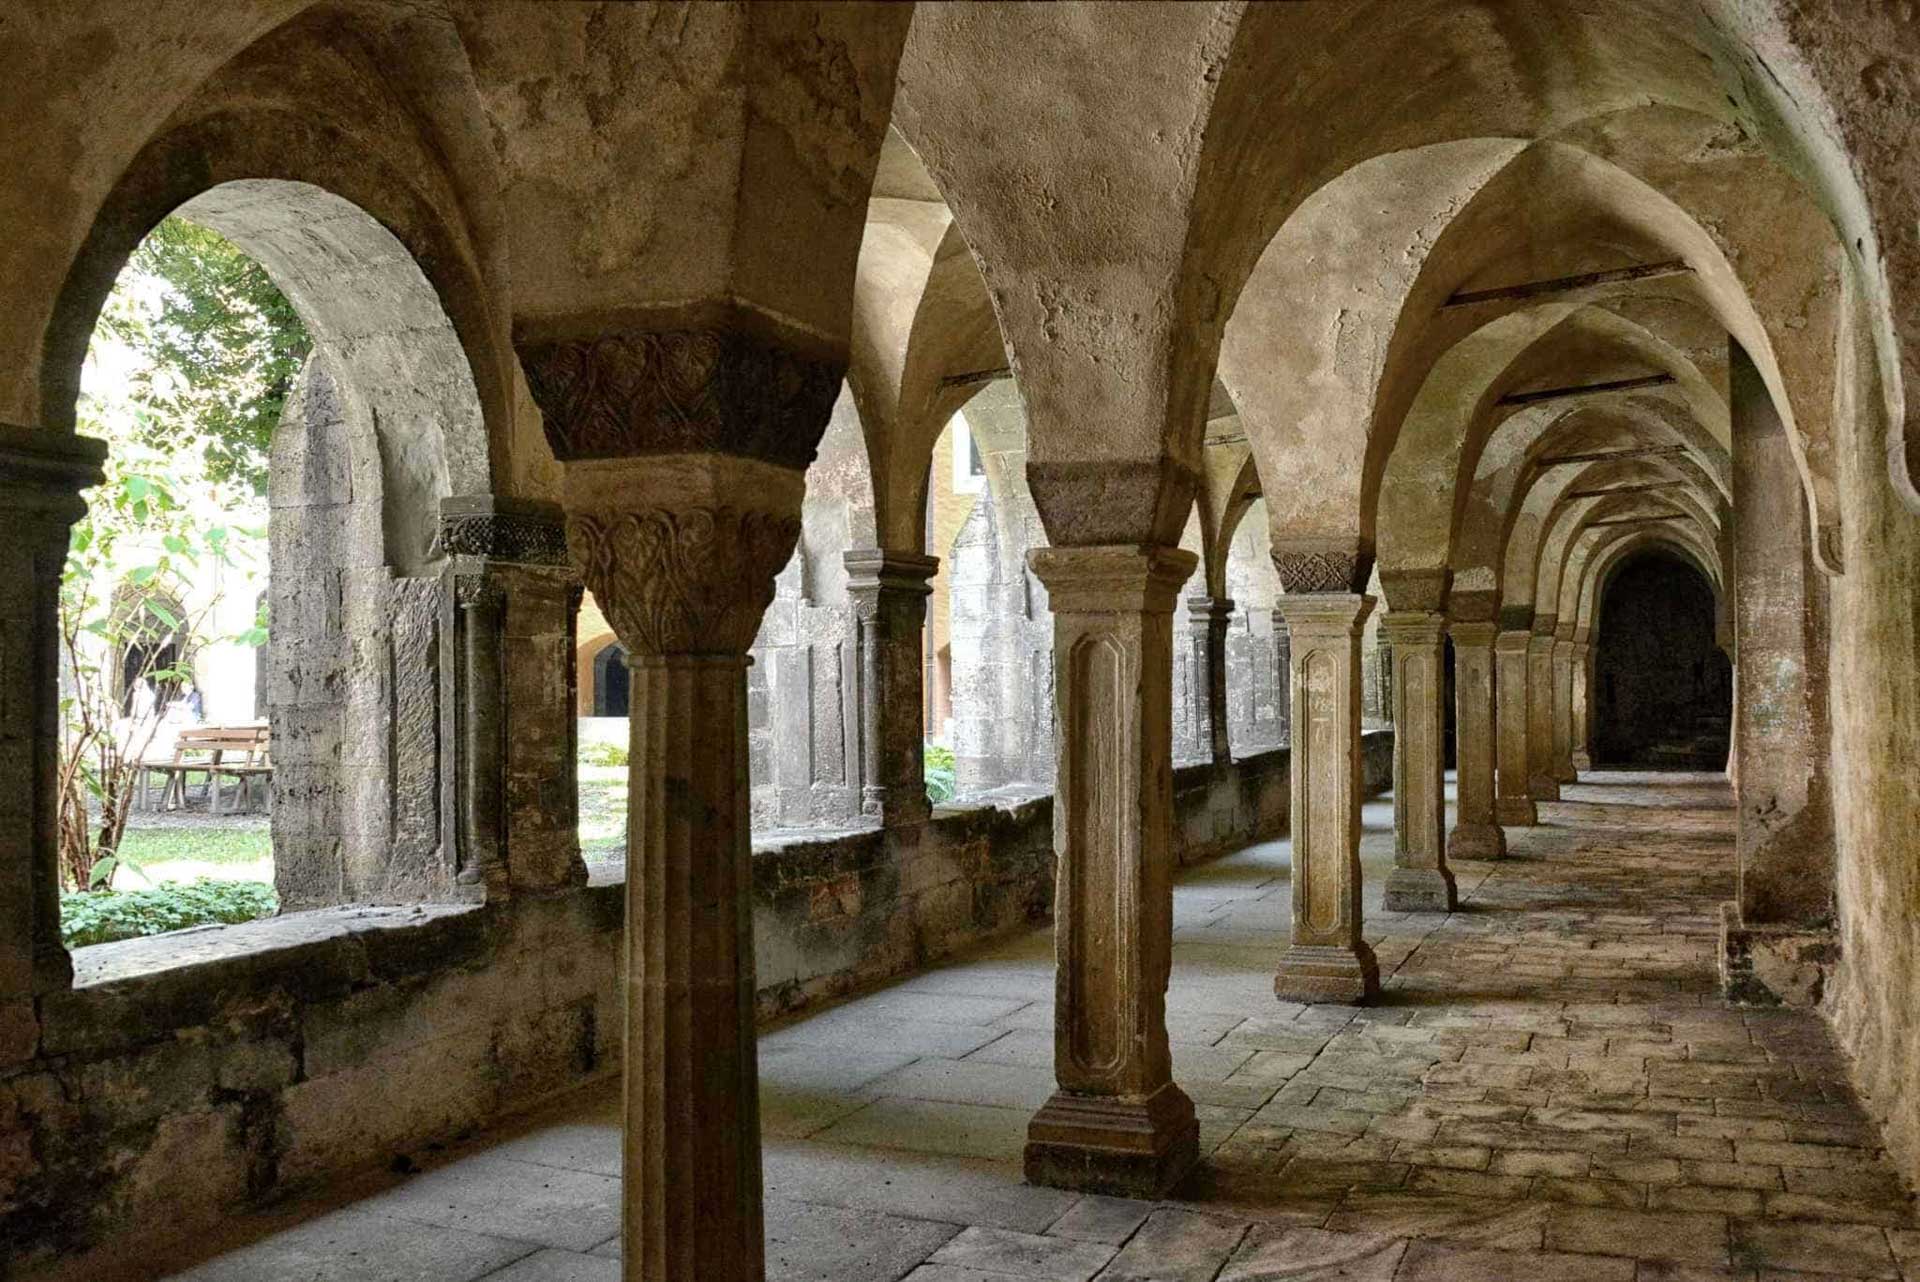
(611, 689)
(317, 750)
(1665, 688)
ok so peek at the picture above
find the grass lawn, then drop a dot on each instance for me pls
(603, 814)
(188, 853)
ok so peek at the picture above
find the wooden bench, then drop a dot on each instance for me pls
(239, 753)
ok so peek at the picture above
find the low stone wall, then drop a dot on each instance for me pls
(190, 1074)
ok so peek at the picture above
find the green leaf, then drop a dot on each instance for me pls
(138, 487)
(165, 615)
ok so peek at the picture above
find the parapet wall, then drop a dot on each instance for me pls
(190, 1075)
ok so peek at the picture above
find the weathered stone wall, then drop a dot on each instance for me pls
(190, 1074)
(803, 715)
(1875, 708)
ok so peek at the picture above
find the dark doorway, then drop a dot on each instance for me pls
(611, 689)
(1664, 689)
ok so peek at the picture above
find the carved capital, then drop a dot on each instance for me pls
(689, 391)
(1473, 633)
(503, 530)
(683, 580)
(1413, 628)
(1322, 569)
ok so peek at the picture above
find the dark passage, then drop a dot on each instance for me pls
(1663, 690)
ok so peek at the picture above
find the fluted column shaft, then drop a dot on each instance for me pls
(1476, 833)
(1117, 1123)
(1514, 798)
(1420, 881)
(889, 591)
(685, 454)
(1207, 621)
(1541, 779)
(1327, 958)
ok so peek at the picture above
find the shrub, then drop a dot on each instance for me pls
(939, 771)
(102, 916)
(603, 754)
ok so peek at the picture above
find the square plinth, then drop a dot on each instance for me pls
(1476, 841)
(1112, 1145)
(1420, 890)
(1312, 973)
(1516, 812)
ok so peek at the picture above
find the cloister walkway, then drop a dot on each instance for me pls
(1550, 1089)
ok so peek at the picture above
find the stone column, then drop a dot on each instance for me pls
(1117, 1124)
(1777, 942)
(1420, 881)
(1327, 959)
(1563, 770)
(1476, 832)
(889, 592)
(685, 456)
(1513, 803)
(1283, 682)
(1541, 780)
(510, 697)
(1208, 618)
(1582, 701)
(41, 476)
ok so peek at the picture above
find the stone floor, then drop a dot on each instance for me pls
(1549, 1090)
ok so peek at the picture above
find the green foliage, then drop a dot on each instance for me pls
(939, 771)
(220, 350)
(602, 754)
(101, 916)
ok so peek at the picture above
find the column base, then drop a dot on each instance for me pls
(1477, 841)
(1582, 761)
(1515, 812)
(1567, 774)
(1543, 788)
(1113, 1146)
(1421, 890)
(1310, 973)
(1774, 965)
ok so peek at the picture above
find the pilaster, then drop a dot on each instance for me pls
(1514, 799)
(1327, 959)
(1283, 667)
(889, 591)
(1117, 1124)
(1420, 881)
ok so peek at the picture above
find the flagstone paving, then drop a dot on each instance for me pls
(1550, 1089)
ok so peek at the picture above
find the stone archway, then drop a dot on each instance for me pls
(383, 425)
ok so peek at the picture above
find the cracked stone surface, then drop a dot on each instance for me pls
(1549, 1088)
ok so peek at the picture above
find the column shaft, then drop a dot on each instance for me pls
(1582, 702)
(1327, 958)
(1476, 834)
(1283, 675)
(1420, 881)
(1541, 782)
(1208, 618)
(41, 474)
(692, 1153)
(1563, 770)
(889, 592)
(1117, 1124)
(1514, 801)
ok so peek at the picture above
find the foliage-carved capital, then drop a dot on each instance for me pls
(690, 580)
(687, 391)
